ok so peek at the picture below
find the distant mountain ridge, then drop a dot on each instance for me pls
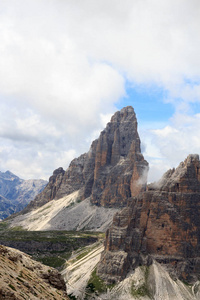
(16, 193)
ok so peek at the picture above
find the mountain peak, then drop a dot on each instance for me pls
(185, 178)
(109, 173)
(9, 176)
(192, 158)
(125, 113)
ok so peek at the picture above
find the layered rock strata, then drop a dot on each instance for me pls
(23, 278)
(161, 224)
(112, 171)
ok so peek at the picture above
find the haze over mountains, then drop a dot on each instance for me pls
(16, 193)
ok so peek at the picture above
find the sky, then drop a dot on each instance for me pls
(67, 65)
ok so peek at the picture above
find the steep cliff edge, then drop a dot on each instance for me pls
(112, 171)
(161, 224)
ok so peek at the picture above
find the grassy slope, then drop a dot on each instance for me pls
(50, 247)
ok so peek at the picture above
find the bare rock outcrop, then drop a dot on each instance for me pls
(160, 224)
(49, 192)
(112, 171)
(23, 278)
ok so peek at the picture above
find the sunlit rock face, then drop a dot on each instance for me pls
(120, 169)
(23, 278)
(162, 223)
(112, 171)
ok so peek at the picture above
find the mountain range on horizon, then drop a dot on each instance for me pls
(16, 193)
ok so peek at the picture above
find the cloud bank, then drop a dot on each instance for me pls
(64, 66)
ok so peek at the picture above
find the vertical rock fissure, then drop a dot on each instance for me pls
(144, 230)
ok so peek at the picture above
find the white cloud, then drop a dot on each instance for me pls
(64, 64)
(176, 144)
(172, 144)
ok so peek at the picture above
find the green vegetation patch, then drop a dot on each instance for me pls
(72, 297)
(52, 261)
(84, 251)
(139, 292)
(96, 285)
(142, 290)
(12, 287)
(17, 228)
(18, 234)
(52, 248)
(3, 226)
(18, 278)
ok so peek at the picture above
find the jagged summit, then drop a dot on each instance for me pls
(120, 135)
(109, 173)
(126, 114)
(185, 178)
(8, 176)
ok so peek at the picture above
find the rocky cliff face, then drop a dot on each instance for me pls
(145, 283)
(112, 171)
(16, 193)
(161, 224)
(23, 278)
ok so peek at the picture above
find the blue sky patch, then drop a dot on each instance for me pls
(148, 103)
